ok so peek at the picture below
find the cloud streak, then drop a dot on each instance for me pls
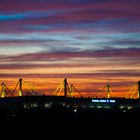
(50, 16)
(66, 54)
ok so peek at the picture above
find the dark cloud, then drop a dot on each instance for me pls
(22, 15)
(20, 42)
(101, 75)
(60, 54)
(127, 42)
(32, 66)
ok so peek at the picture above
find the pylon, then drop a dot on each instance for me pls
(65, 87)
(108, 91)
(3, 94)
(71, 90)
(138, 89)
(20, 87)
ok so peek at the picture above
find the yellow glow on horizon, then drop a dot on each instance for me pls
(86, 86)
(62, 70)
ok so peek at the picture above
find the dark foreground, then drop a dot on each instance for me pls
(60, 124)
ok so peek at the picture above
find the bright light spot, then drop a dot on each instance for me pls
(129, 107)
(107, 106)
(99, 106)
(124, 111)
(95, 101)
(75, 110)
(121, 106)
(112, 101)
(47, 105)
(103, 101)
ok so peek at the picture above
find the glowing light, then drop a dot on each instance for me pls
(99, 106)
(112, 101)
(124, 111)
(20, 93)
(129, 107)
(103, 101)
(95, 101)
(121, 107)
(75, 110)
(47, 105)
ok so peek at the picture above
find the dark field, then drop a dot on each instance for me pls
(60, 124)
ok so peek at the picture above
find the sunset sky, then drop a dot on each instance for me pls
(90, 42)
